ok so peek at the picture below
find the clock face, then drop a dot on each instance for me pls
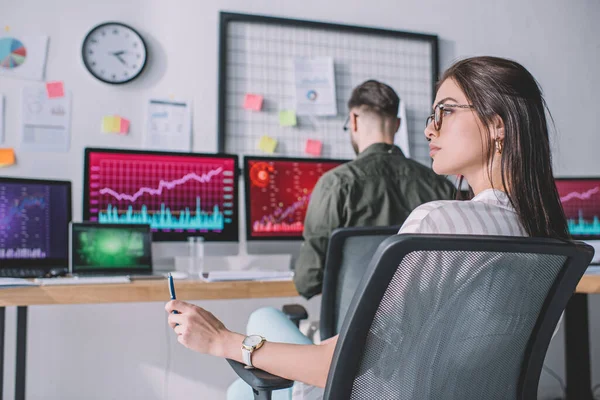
(114, 53)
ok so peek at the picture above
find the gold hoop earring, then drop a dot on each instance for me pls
(499, 146)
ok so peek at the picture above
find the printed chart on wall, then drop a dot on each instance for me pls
(23, 56)
(173, 193)
(580, 199)
(280, 191)
(46, 122)
(169, 126)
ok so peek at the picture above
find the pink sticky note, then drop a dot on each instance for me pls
(55, 89)
(124, 128)
(313, 147)
(253, 102)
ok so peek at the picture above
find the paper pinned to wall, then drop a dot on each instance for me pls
(124, 126)
(46, 123)
(168, 125)
(287, 118)
(7, 157)
(55, 89)
(315, 86)
(313, 147)
(401, 137)
(253, 102)
(267, 144)
(1, 118)
(23, 56)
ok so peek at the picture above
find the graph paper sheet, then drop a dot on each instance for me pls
(260, 60)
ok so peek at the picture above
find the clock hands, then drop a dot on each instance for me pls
(118, 54)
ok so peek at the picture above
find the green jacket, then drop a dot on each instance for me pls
(379, 188)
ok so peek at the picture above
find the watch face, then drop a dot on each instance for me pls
(114, 53)
(252, 340)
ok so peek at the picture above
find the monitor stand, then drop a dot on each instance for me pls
(219, 257)
(246, 261)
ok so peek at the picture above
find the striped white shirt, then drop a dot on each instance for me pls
(488, 213)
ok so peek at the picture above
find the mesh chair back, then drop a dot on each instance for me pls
(454, 317)
(348, 255)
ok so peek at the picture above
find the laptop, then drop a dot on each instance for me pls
(34, 224)
(111, 250)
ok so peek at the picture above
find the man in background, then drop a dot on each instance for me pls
(379, 188)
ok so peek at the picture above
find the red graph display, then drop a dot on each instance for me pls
(174, 193)
(279, 191)
(580, 199)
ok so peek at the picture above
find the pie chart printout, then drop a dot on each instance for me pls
(12, 53)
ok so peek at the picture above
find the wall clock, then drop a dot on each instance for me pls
(114, 53)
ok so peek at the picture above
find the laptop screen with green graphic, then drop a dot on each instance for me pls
(108, 249)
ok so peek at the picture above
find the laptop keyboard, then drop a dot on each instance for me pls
(22, 272)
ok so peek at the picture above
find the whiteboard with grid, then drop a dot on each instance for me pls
(257, 55)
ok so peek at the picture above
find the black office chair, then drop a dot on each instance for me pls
(348, 255)
(450, 317)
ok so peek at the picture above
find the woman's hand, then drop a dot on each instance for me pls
(199, 330)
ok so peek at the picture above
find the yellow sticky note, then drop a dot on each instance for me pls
(267, 144)
(287, 118)
(111, 124)
(7, 157)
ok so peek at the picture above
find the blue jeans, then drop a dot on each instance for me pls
(276, 327)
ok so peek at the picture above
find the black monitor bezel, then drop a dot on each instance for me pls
(579, 178)
(247, 159)
(110, 271)
(44, 263)
(159, 236)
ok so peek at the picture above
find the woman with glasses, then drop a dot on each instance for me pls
(489, 126)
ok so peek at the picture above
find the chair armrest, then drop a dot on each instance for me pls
(295, 312)
(258, 379)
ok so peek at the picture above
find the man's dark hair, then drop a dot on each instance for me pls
(377, 97)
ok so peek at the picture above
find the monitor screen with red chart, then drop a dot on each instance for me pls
(580, 198)
(278, 191)
(178, 194)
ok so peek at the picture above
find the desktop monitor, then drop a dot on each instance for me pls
(580, 198)
(277, 194)
(110, 248)
(34, 222)
(178, 194)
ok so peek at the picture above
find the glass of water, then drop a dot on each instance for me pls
(195, 256)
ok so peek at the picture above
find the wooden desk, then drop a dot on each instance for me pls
(144, 291)
(589, 284)
(136, 291)
(576, 324)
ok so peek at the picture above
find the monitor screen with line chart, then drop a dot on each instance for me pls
(178, 194)
(580, 198)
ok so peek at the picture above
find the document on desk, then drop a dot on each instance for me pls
(6, 283)
(46, 122)
(252, 275)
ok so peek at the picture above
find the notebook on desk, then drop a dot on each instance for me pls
(111, 250)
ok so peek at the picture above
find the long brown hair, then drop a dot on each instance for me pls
(500, 87)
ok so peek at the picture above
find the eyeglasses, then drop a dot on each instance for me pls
(345, 127)
(438, 114)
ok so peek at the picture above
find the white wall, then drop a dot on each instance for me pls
(119, 351)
